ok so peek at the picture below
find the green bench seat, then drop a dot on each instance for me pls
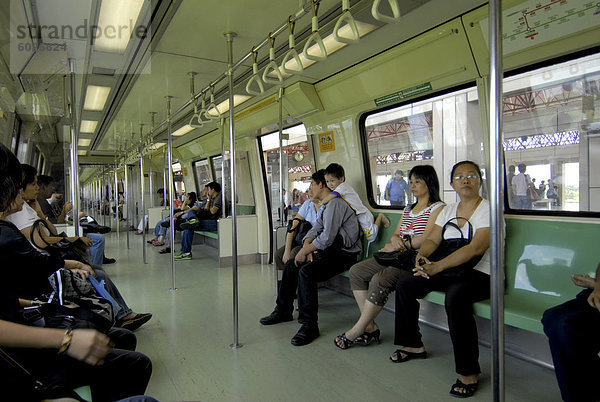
(212, 235)
(540, 258)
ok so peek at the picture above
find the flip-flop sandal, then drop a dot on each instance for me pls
(469, 389)
(407, 356)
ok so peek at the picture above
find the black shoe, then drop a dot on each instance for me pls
(165, 250)
(275, 318)
(108, 260)
(134, 323)
(305, 335)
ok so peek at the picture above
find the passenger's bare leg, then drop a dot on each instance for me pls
(365, 322)
(360, 296)
(381, 218)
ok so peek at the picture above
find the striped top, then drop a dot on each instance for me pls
(414, 224)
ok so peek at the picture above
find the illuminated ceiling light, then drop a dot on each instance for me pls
(116, 24)
(157, 145)
(223, 107)
(88, 126)
(331, 45)
(182, 131)
(84, 142)
(82, 153)
(95, 98)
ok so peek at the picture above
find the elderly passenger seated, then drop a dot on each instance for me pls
(85, 357)
(454, 259)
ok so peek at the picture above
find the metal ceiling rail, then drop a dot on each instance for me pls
(307, 8)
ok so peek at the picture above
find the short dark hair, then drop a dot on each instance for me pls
(336, 170)
(10, 177)
(29, 173)
(215, 186)
(44, 180)
(399, 172)
(428, 174)
(193, 197)
(319, 177)
(160, 191)
(522, 167)
(476, 166)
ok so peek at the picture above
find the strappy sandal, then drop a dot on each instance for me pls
(158, 243)
(346, 343)
(368, 337)
(407, 355)
(469, 389)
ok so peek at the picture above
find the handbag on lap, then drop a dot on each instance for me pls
(64, 249)
(403, 259)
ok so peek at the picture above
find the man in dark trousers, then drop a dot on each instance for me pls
(330, 248)
(573, 330)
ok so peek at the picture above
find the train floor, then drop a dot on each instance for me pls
(189, 336)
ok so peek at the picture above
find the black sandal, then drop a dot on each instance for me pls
(469, 389)
(368, 337)
(407, 355)
(346, 343)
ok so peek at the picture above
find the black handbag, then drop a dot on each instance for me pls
(64, 249)
(403, 259)
(449, 246)
(299, 231)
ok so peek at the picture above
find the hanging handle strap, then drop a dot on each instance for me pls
(347, 19)
(255, 78)
(292, 54)
(395, 17)
(212, 106)
(272, 67)
(315, 37)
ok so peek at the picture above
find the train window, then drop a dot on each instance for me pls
(439, 130)
(22, 149)
(178, 179)
(298, 166)
(245, 192)
(202, 174)
(552, 137)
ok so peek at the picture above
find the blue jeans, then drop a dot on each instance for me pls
(112, 290)
(97, 248)
(160, 230)
(523, 202)
(573, 330)
(188, 235)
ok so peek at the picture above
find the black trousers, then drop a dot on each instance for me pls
(461, 293)
(305, 279)
(573, 330)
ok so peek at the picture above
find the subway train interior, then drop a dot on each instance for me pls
(116, 100)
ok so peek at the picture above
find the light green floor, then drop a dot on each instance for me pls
(188, 341)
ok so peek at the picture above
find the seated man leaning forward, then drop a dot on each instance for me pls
(330, 248)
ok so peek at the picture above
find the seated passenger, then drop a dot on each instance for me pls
(336, 181)
(84, 357)
(330, 248)
(46, 185)
(30, 212)
(462, 287)
(162, 226)
(573, 330)
(144, 221)
(207, 220)
(372, 282)
(310, 210)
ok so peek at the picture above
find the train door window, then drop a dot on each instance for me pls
(178, 180)
(439, 130)
(551, 130)
(244, 190)
(298, 166)
(202, 174)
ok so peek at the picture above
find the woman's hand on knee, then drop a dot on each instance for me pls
(89, 346)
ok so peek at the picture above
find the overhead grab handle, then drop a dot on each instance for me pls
(386, 18)
(347, 18)
(315, 37)
(272, 67)
(292, 54)
(212, 106)
(255, 78)
(195, 121)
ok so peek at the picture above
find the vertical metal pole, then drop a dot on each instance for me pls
(171, 198)
(143, 204)
(126, 206)
(223, 198)
(234, 250)
(496, 199)
(151, 181)
(103, 196)
(281, 206)
(74, 156)
(117, 199)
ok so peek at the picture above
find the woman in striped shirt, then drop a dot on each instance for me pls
(372, 282)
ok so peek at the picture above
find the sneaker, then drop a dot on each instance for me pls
(191, 224)
(183, 256)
